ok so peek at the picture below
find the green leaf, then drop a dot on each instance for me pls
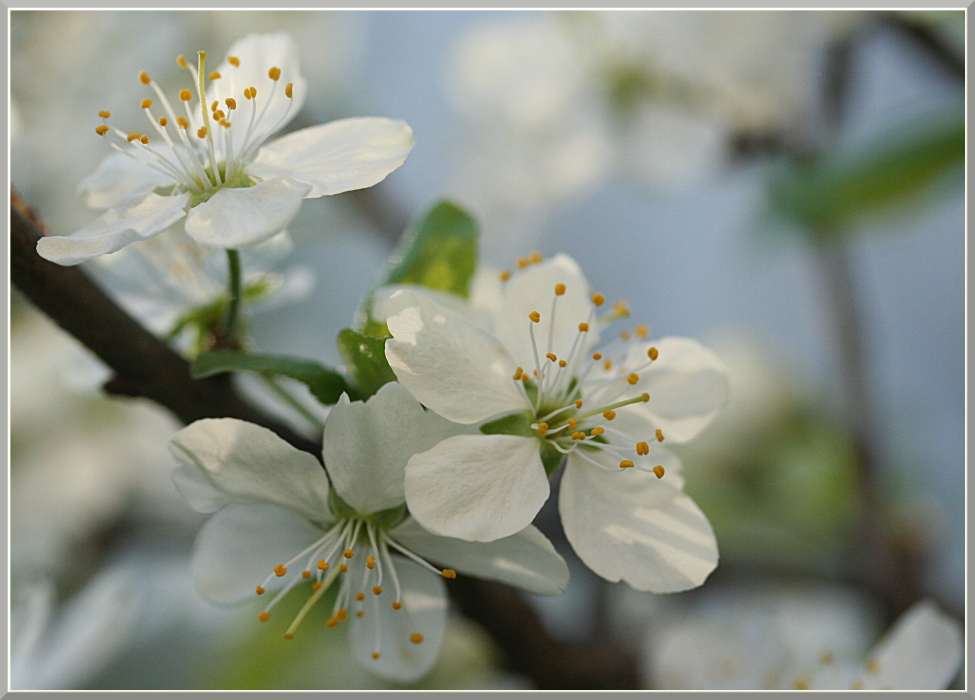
(366, 360)
(838, 190)
(439, 253)
(325, 385)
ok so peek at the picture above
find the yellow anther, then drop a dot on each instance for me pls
(144, 78)
(331, 622)
(377, 590)
(535, 316)
(505, 276)
(219, 115)
(535, 258)
(523, 263)
(280, 570)
(416, 637)
(104, 114)
(626, 464)
(597, 356)
(289, 90)
(360, 613)
(202, 132)
(542, 428)
(253, 93)
(342, 614)
(621, 308)
(234, 61)
(397, 605)
(525, 378)
(289, 636)
(659, 471)
(323, 565)
(274, 74)
(214, 105)
(559, 289)
(215, 76)
(305, 574)
(163, 121)
(642, 331)
(375, 654)
(608, 365)
(231, 103)
(598, 299)
(360, 596)
(642, 448)
(610, 414)
(182, 122)
(583, 327)
(599, 430)
(371, 562)
(624, 335)
(260, 590)
(185, 95)
(133, 136)
(144, 140)
(562, 363)
(653, 353)
(449, 573)
(224, 123)
(343, 568)
(660, 435)
(315, 586)
(552, 356)
(644, 397)
(348, 554)
(578, 403)
(518, 373)
(181, 60)
(633, 378)
(264, 616)
(146, 103)
(101, 129)
(572, 423)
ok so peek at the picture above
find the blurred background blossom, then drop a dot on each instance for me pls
(684, 159)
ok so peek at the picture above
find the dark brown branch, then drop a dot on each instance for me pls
(144, 365)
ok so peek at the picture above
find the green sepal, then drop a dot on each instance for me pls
(325, 385)
(837, 190)
(520, 424)
(439, 252)
(365, 357)
(384, 518)
(206, 319)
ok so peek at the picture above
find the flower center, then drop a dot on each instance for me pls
(573, 400)
(203, 151)
(359, 552)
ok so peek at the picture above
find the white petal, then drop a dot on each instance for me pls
(244, 216)
(687, 384)
(922, 651)
(383, 308)
(258, 53)
(424, 611)
(534, 290)
(367, 445)
(225, 460)
(340, 156)
(238, 548)
(629, 525)
(526, 559)
(117, 178)
(449, 364)
(139, 218)
(477, 487)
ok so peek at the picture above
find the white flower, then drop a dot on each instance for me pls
(621, 501)
(804, 639)
(277, 524)
(208, 161)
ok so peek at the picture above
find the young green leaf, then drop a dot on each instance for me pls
(366, 360)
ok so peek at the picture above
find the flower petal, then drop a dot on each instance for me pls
(687, 384)
(534, 290)
(367, 445)
(238, 548)
(244, 216)
(448, 363)
(343, 155)
(225, 460)
(526, 559)
(477, 487)
(137, 219)
(117, 178)
(424, 612)
(629, 525)
(922, 651)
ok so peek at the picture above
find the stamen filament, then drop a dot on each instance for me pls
(618, 404)
(314, 598)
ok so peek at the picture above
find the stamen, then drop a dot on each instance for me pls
(642, 331)
(144, 78)
(416, 638)
(202, 132)
(260, 590)
(181, 60)
(289, 90)
(578, 403)
(305, 574)
(653, 353)
(542, 428)
(518, 373)
(597, 356)
(626, 464)
(562, 363)
(264, 616)
(377, 589)
(505, 276)
(659, 471)
(104, 114)
(642, 448)
(660, 435)
(598, 430)
(133, 136)
(375, 654)
(182, 122)
(535, 317)
(146, 103)
(583, 327)
(234, 61)
(231, 103)
(522, 263)
(348, 554)
(449, 573)
(163, 121)
(360, 596)
(609, 415)
(274, 73)
(185, 95)
(598, 299)
(535, 258)
(323, 565)
(101, 129)
(552, 356)
(633, 378)
(343, 568)
(559, 289)
(215, 76)
(371, 562)
(397, 605)
(280, 570)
